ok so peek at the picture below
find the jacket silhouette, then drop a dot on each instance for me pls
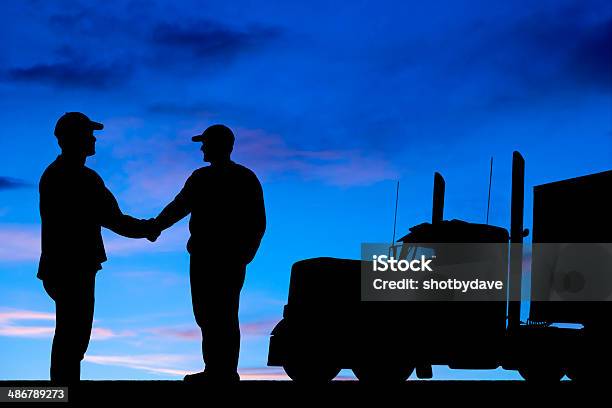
(74, 205)
(227, 223)
(228, 218)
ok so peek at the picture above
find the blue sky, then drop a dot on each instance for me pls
(331, 103)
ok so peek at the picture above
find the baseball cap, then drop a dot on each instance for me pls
(74, 122)
(217, 132)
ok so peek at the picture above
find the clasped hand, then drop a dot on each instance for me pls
(153, 230)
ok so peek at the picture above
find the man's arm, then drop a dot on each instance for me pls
(256, 219)
(177, 209)
(260, 211)
(122, 224)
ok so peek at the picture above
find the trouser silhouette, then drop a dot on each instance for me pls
(74, 311)
(215, 295)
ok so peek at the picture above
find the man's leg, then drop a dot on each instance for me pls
(215, 303)
(74, 305)
(222, 329)
(59, 369)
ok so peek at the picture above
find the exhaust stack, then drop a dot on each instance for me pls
(437, 212)
(516, 239)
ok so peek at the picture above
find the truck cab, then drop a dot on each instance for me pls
(327, 327)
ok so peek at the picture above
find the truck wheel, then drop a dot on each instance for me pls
(311, 373)
(577, 374)
(541, 374)
(383, 374)
(585, 374)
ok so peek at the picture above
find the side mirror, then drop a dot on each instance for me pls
(525, 232)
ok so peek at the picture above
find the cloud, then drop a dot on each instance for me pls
(568, 45)
(12, 324)
(101, 333)
(171, 240)
(11, 319)
(21, 243)
(16, 323)
(249, 329)
(258, 328)
(166, 363)
(591, 57)
(71, 74)
(144, 36)
(262, 373)
(152, 363)
(276, 374)
(26, 331)
(521, 57)
(544, 51)
(160, 278)
(268, 155)
(271, 155)
(9, 183)
(176, 333)
(209, 40)
(8, 315)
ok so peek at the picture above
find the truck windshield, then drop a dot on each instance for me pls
(410, 252)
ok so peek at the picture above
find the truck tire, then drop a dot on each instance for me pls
(310, 372)
(383, 374)
(585, 374)
(541, 374)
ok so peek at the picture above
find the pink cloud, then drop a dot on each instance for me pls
(166, 363)
(152, 363)
(9, 318)
(261, 328)
(21, 243)
(271, 155)
(159, 277)
(26, 331)
(11, 325)
(101, 333)
(163, 364)
(156, 166)
(176, 333)
(251, 329)
(8, 315)
(276, 374)
(263, 373)
(173, 239)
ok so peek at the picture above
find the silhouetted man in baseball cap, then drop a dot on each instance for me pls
(74, 205)
(227, 223)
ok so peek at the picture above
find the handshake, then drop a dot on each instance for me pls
(152, 229)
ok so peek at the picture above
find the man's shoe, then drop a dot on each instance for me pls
(196, 377)
(206, 377)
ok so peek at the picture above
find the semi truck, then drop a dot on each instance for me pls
(326, 326)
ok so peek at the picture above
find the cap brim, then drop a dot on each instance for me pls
(96, 125)
(198, 138)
